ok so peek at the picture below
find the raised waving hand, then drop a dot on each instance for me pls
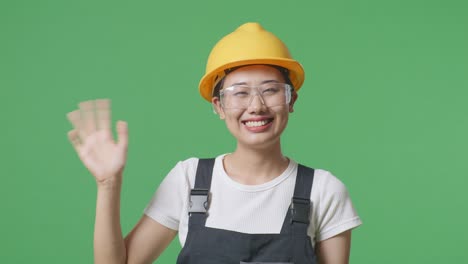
(93, 141)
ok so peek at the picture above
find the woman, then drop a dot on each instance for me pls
(253, 205)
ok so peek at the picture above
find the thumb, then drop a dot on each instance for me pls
(122, 134)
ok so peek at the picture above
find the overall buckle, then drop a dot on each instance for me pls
(198, 202)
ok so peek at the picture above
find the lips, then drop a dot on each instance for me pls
(258, 124)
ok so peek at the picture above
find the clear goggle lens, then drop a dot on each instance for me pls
(241, 96)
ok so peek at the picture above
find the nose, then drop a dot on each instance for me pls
(257, 104)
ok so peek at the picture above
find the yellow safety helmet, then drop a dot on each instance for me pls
(248, 44)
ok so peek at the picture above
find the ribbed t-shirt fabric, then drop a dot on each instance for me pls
(253, 209)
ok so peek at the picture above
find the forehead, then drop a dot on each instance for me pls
(253, 74)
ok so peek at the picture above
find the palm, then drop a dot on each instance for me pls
(104, 157)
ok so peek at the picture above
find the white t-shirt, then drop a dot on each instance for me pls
(253, 209)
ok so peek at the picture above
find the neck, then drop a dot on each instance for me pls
(255, 166)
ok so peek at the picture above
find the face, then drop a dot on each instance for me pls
(257, 126)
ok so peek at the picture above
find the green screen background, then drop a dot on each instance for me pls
(384, 107)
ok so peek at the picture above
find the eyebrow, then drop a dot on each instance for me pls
(263, 82)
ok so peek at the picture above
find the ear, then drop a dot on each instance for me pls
(293, 100)
(217, 107)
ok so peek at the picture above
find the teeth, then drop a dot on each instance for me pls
(256, 123)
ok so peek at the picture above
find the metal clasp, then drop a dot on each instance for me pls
(198, 202)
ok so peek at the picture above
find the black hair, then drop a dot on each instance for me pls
(282, 70)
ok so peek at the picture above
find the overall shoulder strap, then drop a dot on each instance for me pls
(204, 173)
(199, 195)
(304, 181)
(298, 215)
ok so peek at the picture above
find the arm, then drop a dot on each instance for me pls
(335, 217)
(147, 241)
(335, 250)
(105, 158)
(108, 242)
(143, 244)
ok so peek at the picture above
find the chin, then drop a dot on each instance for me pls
(258, 142)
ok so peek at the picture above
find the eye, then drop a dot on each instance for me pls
(270, 90)
(240, 91)
(240, 94)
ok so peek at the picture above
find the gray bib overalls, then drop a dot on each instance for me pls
(205, 245)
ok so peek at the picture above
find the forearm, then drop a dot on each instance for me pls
(109, 246)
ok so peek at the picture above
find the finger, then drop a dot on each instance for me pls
(88, 119)
(122, 134)
(103, 114)
(75, 119)
(74, 138)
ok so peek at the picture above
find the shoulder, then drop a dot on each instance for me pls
(188, 164)
(191, 164)
(181, 173)
(326, 182)
(185, 170)
(328, 191)
(333, 210)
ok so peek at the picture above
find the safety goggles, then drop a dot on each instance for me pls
(241, 96)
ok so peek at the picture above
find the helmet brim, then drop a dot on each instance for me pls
(296, 73)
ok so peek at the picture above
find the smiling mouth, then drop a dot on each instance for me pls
(258, 123)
